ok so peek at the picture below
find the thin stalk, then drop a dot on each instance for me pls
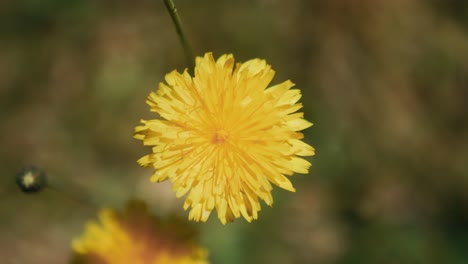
(171, 8)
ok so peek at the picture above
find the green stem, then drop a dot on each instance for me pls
(178, 25)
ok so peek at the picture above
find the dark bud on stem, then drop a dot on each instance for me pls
(31, 179)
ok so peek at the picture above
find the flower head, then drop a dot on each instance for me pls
(138, 238)
(224, 137)
(31, 179)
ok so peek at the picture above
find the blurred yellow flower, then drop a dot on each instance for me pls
(138, 238)
(224, 137)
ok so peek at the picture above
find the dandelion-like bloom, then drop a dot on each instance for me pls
(224, 137)
(137, 237)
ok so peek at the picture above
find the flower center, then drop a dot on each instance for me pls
(220, 136)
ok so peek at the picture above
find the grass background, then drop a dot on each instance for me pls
(384, 82)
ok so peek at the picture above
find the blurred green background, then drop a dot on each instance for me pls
(384, 82)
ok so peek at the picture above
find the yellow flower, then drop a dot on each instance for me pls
(138, 238)
(224, 137)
